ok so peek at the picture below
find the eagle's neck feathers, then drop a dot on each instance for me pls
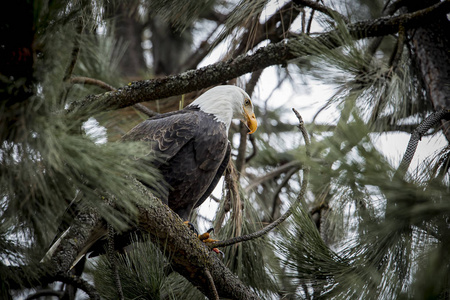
(224, 102)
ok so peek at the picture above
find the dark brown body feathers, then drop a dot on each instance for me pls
(192, 150)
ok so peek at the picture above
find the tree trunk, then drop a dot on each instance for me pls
(430, 44)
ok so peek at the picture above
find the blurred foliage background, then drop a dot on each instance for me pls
(360, 232)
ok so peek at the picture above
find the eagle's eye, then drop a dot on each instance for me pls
(247, 102)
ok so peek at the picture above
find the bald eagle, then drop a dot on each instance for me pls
(193, 150)
(193, 144)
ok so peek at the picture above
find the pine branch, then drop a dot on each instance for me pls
(187, 254)
(273, 54)
(43, 293)
(91, 81)
(212, 287)
(107, 87)
(30, 282)
(416, 136)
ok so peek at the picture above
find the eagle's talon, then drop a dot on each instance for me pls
(191, 227)
(219, 252)
(205, 236)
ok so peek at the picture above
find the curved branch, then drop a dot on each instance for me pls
(212, 286)
(48, 292)
(273, 54)
(286, 215)
(416, 135)
(113, 261)
(254, 148)
(80, 283)
(187, 254)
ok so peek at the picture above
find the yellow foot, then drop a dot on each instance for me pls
(205, 237)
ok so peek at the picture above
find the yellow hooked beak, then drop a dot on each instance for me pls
(250, 120)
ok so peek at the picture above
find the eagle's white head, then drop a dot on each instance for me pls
(227, 102)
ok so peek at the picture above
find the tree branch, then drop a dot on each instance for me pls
(187, 254)
(416, 136)
(43, 293)
(212, 286)
(273, 54)
(107, 87)
(113, 261)
(323, 9)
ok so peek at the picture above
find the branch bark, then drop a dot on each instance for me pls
(430, 44)
(273, 54)
(416, 136)
(187, 254)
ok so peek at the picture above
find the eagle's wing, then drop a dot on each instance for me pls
(217, 177)
(167, 134)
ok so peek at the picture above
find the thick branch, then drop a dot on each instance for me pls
(273, 54)
(188, 256)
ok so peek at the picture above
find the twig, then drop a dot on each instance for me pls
(144, 109)
(200, 53)
(113, 261)
(281, 219)
(240, 160)
(416, 135)
(397, 55)
(280, 187)
(107, 87)
(232, 193)
(91, 81)
(75, 50)
(323, 9)
(212, 286)
(272, 225)
(301, 126)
